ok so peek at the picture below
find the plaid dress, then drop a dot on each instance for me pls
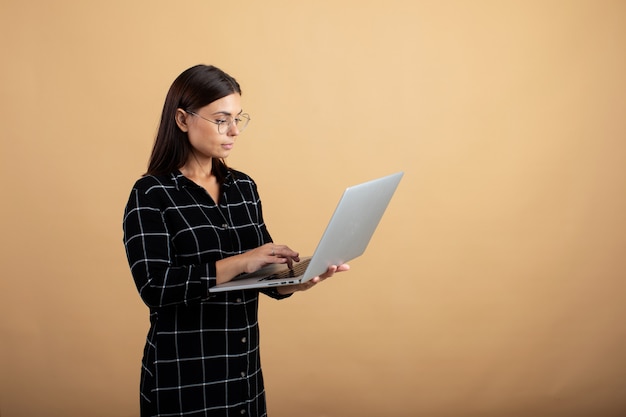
(201, 356)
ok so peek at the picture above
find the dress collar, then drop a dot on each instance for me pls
(180, 181)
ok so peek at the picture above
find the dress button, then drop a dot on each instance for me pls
(225, 226)
(243, 374)
(242, 412)
(238, 300)
(244, 339)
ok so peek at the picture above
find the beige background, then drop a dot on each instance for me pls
(495, 284)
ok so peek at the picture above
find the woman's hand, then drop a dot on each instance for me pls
(269, 253)
(289, 289)
(255, 259)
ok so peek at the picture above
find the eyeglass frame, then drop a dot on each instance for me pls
(228, 125)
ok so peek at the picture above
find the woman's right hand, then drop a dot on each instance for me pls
(253, 260)
(267, 254)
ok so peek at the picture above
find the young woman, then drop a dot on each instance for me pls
(192, 222)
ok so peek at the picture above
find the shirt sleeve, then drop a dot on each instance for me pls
(150, 254)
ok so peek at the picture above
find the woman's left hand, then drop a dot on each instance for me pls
(289, 289)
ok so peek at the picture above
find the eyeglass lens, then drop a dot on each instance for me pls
(240, 121)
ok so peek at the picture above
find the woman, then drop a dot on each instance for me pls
(192, 222)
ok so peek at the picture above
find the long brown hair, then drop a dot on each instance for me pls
(196, 87)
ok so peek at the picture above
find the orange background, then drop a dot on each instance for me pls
(495, 283)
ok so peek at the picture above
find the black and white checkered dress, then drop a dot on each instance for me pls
(201, 356)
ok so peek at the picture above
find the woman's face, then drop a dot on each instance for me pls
(202, 127)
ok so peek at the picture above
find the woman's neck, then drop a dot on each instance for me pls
(202, 174)
(196, 168)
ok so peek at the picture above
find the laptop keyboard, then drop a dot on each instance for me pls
(298, 269)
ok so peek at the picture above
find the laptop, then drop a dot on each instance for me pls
(346, 236)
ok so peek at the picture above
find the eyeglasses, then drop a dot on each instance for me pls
(224, 125)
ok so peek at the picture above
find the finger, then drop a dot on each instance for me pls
(333, 269)
(286, 252)
(329, 272)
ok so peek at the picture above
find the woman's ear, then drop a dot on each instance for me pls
(181, 119)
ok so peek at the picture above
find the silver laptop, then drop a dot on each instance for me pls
(347, 235)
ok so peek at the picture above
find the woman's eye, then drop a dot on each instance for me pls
(221, 121)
